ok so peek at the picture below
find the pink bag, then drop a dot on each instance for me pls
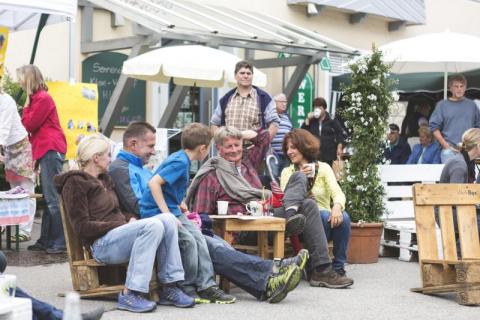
(195, 218)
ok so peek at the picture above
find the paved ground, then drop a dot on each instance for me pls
(381, 291)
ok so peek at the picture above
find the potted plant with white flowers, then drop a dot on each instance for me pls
(367, 102)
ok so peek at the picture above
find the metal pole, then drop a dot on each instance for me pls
(71, 51)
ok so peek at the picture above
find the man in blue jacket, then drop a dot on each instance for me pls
(397, 149)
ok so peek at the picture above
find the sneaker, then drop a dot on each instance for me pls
(280, 284)
(134, 302)
(215, 295)
(174, 296)
(36, 247)
(300, 260)
(295, 225)
(330, 279)
(95, 314)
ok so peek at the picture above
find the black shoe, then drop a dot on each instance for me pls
(56, 250)
(295, 225)
(300, 260)
(95, 314)
(215, 295)
(36, 247)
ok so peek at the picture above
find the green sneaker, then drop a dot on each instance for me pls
(300, 260)
(280, 284)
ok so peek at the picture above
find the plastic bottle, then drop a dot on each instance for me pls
(72, 307)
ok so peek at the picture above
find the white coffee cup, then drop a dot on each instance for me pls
(8, 285)
(311, 174)
(222, 207)
(255, 208)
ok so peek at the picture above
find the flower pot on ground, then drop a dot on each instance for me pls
(367, 101)
(364, 243)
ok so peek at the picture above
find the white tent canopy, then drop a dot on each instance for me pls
(25, 14)
(188, 65)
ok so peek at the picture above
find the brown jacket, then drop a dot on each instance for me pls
(90, 203)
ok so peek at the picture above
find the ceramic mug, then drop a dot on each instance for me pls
(8, 285)
(222, 207)
(255, 208)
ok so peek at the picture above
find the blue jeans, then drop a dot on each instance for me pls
(139, 243)
(40, 310)
(340, 236)
(51, 234)
(446, 154)
(195, 257)
(248, 272)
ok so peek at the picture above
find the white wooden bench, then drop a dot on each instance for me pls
(399, 236)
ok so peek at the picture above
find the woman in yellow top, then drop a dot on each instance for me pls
(302, 147)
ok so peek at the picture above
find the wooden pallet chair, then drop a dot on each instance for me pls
(445, 271)
(89, 277)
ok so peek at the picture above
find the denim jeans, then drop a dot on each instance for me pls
(446, 154)
(248, 272)
(340, 236)
(40, 310)
(195, 257)
(51, 234)
(139, 243)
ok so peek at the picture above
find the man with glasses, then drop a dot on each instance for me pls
(284, 127)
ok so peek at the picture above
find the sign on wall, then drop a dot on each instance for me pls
(3, 48)
(302, 102)
(104, 69)
(77, 107)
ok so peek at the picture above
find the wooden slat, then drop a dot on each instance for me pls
(446, 194)
(426, 237)
(468, 231)
(448, 233)
(447, 288)
(272, 224)
(452, 262)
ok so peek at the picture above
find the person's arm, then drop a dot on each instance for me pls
(306, 123)
(216, 119)
(443, 143)
(458, 175)
(155, 185)
(272, 130)
(338, 197)
(437, 155)
(6, 114)
(35, 115)
(261, 144)
(285, 176)
(406, 153)
(75, 202)
(123, 188)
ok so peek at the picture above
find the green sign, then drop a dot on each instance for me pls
(302, 102)
(325, 64)
(104, 69)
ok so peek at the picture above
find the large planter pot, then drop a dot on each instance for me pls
(364, 242)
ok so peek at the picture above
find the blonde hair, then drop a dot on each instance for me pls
(470, 139)
(31, 79)
(90, 146)
(424, 129)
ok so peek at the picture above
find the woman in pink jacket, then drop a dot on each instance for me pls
(49, 146)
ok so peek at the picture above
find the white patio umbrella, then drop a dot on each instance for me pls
(25, 14)
(189, 65)
(435, 52)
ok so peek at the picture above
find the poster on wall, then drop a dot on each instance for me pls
(77, 107)
(3, 48)
(104, 69)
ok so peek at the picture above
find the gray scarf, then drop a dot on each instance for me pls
(231, 181)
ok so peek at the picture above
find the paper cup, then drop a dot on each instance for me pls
(222, 207)
(8, 284)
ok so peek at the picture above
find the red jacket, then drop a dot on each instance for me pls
(40, 118)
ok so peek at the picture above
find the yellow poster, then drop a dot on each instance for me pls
(77, 107)
(3, 48)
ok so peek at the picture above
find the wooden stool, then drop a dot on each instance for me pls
(225, 225)
(89, 277)
(450, 273)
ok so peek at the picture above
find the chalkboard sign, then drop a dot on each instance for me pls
(104, 69)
